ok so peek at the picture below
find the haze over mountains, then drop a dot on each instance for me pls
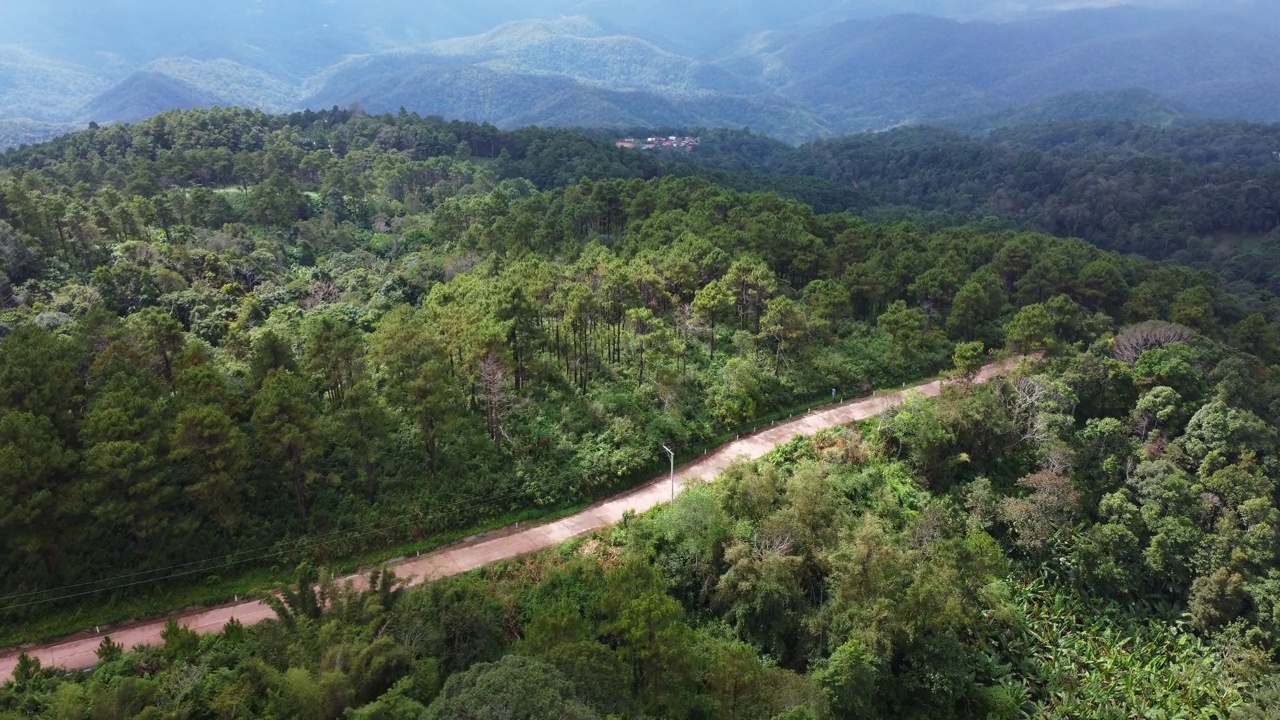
(798, 70)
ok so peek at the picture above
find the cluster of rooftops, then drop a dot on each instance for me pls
(674, 142)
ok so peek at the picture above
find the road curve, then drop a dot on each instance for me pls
(78, 652)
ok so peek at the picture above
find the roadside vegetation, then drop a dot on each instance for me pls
(234, 344)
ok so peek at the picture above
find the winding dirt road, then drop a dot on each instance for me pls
(77, 652)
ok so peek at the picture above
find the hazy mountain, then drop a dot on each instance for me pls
(798, 70)
(143, 30)
(305, 34)
(38, 87)
(29, 132)
(1128, 105)
(185, 83)
(582, 49)
(434, 85)
(146, 93)
(917, 68)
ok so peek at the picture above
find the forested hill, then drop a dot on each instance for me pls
(233, 342)
(1204, 194)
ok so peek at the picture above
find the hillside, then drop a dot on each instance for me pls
(798, 73)
(143, 30)
(233, 344)
(581, 49)
(433, 85)
(1133, 105)
(14, 133)
(1130, 187)
(144, 94)
(871, 74)
(185, 83)
(42, 88)
(930, 370)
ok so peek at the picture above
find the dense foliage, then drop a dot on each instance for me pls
(1080, 540)
(326, 323)
(231, 340)
(1203, 194)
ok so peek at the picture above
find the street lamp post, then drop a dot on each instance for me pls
(672, 457)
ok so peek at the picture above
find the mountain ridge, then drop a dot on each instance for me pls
(795, 83)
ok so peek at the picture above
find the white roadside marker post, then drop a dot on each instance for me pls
(672, 456)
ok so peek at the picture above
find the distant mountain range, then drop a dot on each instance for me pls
(917, 69)
(834, 68)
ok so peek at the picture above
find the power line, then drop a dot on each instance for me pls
(273, 553)
(218, 560)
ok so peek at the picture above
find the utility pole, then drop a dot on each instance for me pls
(672, 457)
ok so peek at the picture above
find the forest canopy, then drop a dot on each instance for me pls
(297, 339)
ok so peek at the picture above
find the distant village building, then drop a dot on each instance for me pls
(673, 142)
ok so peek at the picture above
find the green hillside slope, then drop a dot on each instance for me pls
(186, 83)
(233, 344)
(432, 85)
(42, 88)
(877, 73)
(581, 49)
(1128, 105)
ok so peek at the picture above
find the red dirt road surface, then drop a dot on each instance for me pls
(78, 653)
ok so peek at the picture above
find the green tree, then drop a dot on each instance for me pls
(1031, 329)
(1158, 409)
(514, 688)
(751, 283)
(1255, 335)
(784, 326)
(277, 201)
(761, 593)
(284, 420)
(124, 433)
(1217, 435)
(919, 429)
(652, 636)
(332, 354)
(827, 304)
(159, 337)
(210, 452)
(1101, 285)
(416, 372)
(42, 374)
(977, 308)
(34, 498)
(1194, 308)
(968, 359)
(709, 304)
(916, 343)
(270, 352)
(850, 678)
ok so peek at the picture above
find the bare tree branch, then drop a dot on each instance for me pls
(1137, 339)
